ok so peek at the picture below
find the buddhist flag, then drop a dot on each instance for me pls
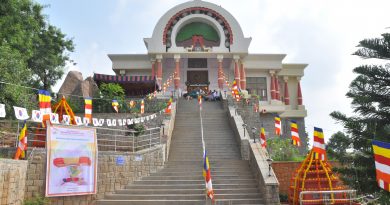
(115, 105)
(169, 107)
(131, 103)
(263, 141)
(44, 102)
(22, 143)
(207, 176)
(278, 125)
(142, 107)
(382, 163)
(294, 134)
(319, 144)
(88, 108)
(235, 91)
(200, 101)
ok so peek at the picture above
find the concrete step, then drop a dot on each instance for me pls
(151, 202)
(190, 186)
(184, 191)
(194, 181)
(197, 177)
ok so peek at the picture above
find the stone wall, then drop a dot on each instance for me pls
(32, 175)
(253, 119)
(268, 185)
(12, 181)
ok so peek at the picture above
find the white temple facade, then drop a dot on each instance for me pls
(203, 46)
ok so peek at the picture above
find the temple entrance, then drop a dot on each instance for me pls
(197, 80)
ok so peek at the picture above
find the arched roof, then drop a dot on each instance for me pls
(229, 30)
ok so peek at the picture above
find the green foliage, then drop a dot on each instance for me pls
(37, 200)
(32, 52)
(138, 128)
(337, 146)
(282, 150)
(13, 70)
(50, 53)
(370, 96)
(109, 92)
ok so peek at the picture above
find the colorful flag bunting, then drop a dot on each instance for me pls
(78, 120)
(54, 118)
(319, 144)
(2, 110)
(21, 113)
(382, 163)
(294, 134)
(88, 108)
(66, 119)
(142, 107)
(207, 176)
(263, 140)
(36, 116)
(44, 102)
(115, 105)
(278, 125)
(22, 142)
(95, 122)
(86, 121)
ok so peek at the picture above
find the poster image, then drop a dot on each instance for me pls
(71, 161)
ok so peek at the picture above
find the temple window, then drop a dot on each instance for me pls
(257, 86)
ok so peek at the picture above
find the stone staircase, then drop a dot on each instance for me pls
(181, 180)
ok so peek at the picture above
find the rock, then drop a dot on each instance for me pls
(75, 85)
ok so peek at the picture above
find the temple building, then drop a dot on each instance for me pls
(202, 45)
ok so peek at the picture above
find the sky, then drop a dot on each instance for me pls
(322, 34)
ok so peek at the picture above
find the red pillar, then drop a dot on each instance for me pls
(243, 77)
(159, 72)
(286, 95)
(237, 73)
(277, 93)
(220, 74)
(272, 87)
(299, 93)
(153, 65)
(177, 73)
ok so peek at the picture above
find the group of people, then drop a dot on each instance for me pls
(209, 96)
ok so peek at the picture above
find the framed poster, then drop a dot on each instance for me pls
(71, 161)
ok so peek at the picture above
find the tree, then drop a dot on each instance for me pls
(338, 145)
(50, 53)
(32, 52)
(109, 92)
(370, 94)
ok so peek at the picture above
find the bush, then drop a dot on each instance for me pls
(37, 200)
(282, 150)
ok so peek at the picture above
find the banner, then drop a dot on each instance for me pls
(71, 161)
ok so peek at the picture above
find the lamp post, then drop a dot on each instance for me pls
(244, 126)
(254, 134)
(269, 161)
(163, 127)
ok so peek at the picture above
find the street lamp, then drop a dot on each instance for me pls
(269, 161)
(244, 126)
(254, 134)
